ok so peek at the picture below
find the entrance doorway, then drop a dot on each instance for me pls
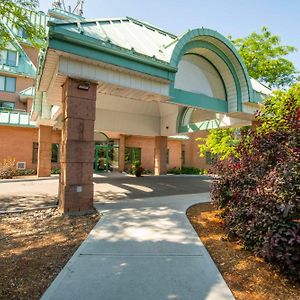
(106, 158)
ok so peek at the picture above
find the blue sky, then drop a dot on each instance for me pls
(234, 17)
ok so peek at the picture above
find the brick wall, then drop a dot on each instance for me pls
(192, 158)
(17, 142)
(174, 154)
(148, 144)
(32, 53)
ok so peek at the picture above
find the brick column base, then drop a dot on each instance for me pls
(77, 148)
(160, 156)
(44, 151)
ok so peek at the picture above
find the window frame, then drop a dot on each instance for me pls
(57, 154)
(7, 108)
(5, 84)
(132, 155)
(6, 55)
(35, 151)
(16, 58)
(183, 154)
(168, 156)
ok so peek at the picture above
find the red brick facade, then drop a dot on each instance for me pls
(17, 142)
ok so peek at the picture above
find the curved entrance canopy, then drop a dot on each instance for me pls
(140, 85)
(147, 79)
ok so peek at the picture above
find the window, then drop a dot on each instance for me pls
(8, 84)
(35, 149)
(133, 155)
(55, 153)
(8, 57)
(6, 105)
(183, 154)
(168, 156)
(22, 33)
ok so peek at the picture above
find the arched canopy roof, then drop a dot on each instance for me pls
(221, 53)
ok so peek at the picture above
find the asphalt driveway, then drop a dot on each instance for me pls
(36, 193)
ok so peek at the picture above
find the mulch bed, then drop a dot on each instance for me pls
(247, 276)
(34, 247)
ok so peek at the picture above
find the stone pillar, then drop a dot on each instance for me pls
(44, 151)
(77, 147)
(122, 153)
(160, 155)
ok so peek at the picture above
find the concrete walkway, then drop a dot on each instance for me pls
(142, 249)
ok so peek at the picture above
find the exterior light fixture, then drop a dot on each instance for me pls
(83, 86)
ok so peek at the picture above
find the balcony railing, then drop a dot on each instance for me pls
(15, 118)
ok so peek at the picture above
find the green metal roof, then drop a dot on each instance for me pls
(59, 14)
(125, 35)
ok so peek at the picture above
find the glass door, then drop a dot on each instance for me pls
(100, 159)
(113, 158)
(106, 158)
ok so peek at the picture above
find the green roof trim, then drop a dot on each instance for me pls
(198, 100)
(64, 15)
(205, 125)
(204, 44)
(190, 35)
(104, 51)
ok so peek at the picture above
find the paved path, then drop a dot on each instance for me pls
(36, 193)
(142, 249)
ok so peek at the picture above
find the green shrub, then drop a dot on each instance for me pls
(147, 172)
(191, 171)
(259, 192)
(55, 171)
(187, 171)
(25, 172)
(175, 171)
(7, 168)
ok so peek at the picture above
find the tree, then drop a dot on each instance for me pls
(280, 110)
(14, 13)
(264, 57)
(219, 142)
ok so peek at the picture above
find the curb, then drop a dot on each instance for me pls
(53, 177)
